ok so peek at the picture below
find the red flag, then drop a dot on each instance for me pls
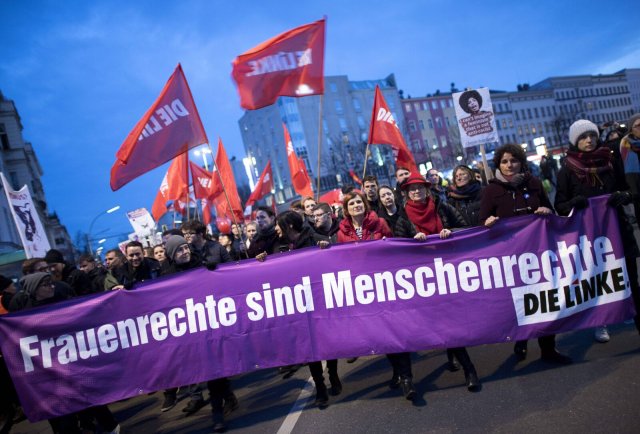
(174, 186)
(170, 127)
(263, 186)
(299, 176)
(225, 174)
(206, 185)
(355, 177)
(206, 211)
(332, 196)
(290, 64)
(384, 130)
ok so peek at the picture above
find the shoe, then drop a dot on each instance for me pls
(217, 417)
(602, 335)
(520, 350)
(394, 383)
(170, 401)
(322, 397)
(336, 385)
(408, 390)
(193, 406)
(555, 357)
(453, 365)
(352, 359)
(230, 404)
(472, 380)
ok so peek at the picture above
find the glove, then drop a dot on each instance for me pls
(579, 202)
(211, 265)
(619, 198)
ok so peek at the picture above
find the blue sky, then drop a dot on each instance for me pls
(83, 73)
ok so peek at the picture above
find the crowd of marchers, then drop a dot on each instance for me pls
(417, 206)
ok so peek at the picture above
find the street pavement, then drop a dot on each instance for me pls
(598, 393)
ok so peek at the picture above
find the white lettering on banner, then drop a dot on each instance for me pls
(385, 116)
(554, 284)
(283, 61)
(168, 114)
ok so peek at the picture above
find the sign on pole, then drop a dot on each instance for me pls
(32, 234)
(476, 120)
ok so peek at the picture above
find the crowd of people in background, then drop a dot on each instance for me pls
(416, 207)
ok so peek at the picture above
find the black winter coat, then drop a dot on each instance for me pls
(468, 207)
(500, 199)
(398, 223)
(129, 276)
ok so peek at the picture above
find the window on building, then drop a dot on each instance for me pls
(443, 103)
(450, 102)
(533, 129)
(425, 105)
(443, 141)
(356, 105)
(416, 105)
(4, 138)
(361, 123)
(439, 122)
(13, 177)
(407, 107)
(333, 87)
(529, 113)
(504, 123)
(510, 123)
(421, 123)
(517, 115)
(535, 112)
(523, 114)
(343, 124)
(434, 105)
(338, 105)
(447, 121)
(412, 126)
(430, 123)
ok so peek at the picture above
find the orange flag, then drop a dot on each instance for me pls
(263, 186)
(174, 186)
(171, 126)
(384, 130)
(225, 175)
(299, 176)
(291, 64)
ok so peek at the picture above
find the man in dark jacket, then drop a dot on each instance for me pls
(63, 271)
(137, 268)
(223, 400)
(326, 226)
(96, 273)
(208, 251)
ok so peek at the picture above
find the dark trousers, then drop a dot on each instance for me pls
(401, 364)
(219, 389)
(462, 355)
(316, 370)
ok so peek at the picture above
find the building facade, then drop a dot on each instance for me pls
(20, 165)
(344, 123)
(531, 116)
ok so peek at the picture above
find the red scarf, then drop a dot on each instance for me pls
(424, 216)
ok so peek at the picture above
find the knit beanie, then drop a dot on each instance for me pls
(5, 282)
(172, 245)
(30, 282)
(54, 256)
(580, 127)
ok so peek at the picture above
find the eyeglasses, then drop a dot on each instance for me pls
(319, 216)
(189, 234)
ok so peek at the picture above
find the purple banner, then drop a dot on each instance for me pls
(525, 277)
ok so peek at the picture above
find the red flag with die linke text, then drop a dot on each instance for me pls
(290, 64)
(170, 127)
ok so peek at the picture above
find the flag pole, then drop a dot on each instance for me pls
(226, 196)
(487, 170)
(319, 147)
(366, 153)
(187, 202)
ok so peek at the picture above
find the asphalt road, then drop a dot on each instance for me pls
(598, 393)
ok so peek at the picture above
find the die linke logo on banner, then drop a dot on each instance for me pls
(280, 62)
(204, 182)
(385, 116)
(163, 117)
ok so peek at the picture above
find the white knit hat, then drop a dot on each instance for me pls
(580, 127)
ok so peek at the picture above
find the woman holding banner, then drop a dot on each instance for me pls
(465, 194)
(432, 216)
(515, 192)
(592, 170)
(296, 234)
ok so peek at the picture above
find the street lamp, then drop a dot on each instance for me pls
(109, 211)
(204, 152)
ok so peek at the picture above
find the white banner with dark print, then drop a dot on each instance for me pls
(476, 120)
(32, 234)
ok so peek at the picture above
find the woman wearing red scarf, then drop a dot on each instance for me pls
(512, 193)
(591, 170)
(432, 216)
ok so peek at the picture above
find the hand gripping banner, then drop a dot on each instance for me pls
(525, 277)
